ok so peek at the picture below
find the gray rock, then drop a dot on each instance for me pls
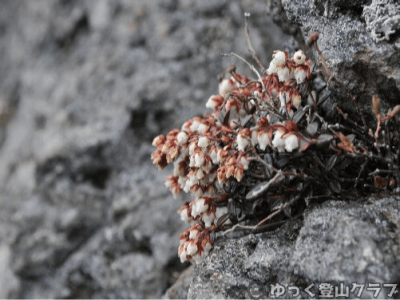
(338, 243)
(361, 65)
(179, 290)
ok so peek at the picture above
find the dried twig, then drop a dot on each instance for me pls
(251, 49)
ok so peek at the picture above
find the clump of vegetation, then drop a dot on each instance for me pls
(268, 148)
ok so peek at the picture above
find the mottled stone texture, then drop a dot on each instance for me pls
(336, 243)
(364, 66)
(84, 88)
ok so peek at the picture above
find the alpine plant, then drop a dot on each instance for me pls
(265, 145)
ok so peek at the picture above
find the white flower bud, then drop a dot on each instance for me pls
(184, 216)
(193, 180)
(192, 160)
(278, 142)
(182, 181)
(279, 57)
(300, 75)
(220, 157)
(214, 156)
(212, 176)
(182, 138)
(296, 101)
(202, 128)
(191, 248)
(272, 67)
(192, 148)
(203, 142)
(183, 253)
(291, 142)
(263, 141)
(186, 188)
(299, 57)
(208, 219)
(198, 193)
(211, 102)
(283, 74)
(199, 160)
(199, 174)
(254, 138)
(201, 206)
(225, 86)
(193, 234)
(242, 142)
(194, 125)
(207, 167)
(245, 162)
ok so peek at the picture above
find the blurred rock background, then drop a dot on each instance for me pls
(84, 88)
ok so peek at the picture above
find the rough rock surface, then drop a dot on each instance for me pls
(84, 88)
(361, 64)
(337, 242)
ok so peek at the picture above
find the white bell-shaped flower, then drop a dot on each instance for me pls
(278, 142)
(182, 138)
(299, 57)
(291, 142)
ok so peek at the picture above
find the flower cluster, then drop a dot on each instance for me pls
(208, 152)
(261, 148)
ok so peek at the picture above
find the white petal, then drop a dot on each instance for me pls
(272, 67)
(202, 128)
(225, 86)
(191, 249)
(263, 141)
(244, 162)
(280, 58)
(254, 138)
(211, 103)
(200, 174)
(193, 234)
(300, 76)
(201, 206)
(203, 142)
(183, 256)
(192, 147)
(296, 101)
(184, 216)
(199, 160)
(291, 143)
(242, 142)
(194, 126)
(283, 74)
(214, 156)
(182, 138)
(278, 142)
(208, 219)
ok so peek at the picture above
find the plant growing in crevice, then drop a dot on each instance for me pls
(268, 149)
